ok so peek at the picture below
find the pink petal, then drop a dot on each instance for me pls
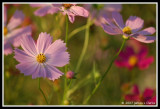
(28, 68)
(132, 97)
(42, 11)
(151, 101)
(56, 54)
(38, 5)
(57, 46)
(15, 20)
(144, 63)
(118, 19)
(7, 48)
(111, 30)
(53, 10)
(147, 31)
(40, 71)
(43, 42)
(58, 59)
(148, 93)
(113, 7)
(135, 90)
(53, 73)
(80, 11)
(71, 17)
(144, 39)
(5, 16)
(135, 23)
(21, 56)
(28, 44)
(16, 34)
(142, 52)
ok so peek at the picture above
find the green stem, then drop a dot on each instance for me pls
(75, 31)
(66, 67)
(100, 81)
(42, 91)
(84, 46)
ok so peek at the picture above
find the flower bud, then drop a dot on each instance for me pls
(70, 74)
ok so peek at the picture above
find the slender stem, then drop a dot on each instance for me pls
(66, 67)
(42, 91)
(84, 46)
(75, 31)
(100, 81)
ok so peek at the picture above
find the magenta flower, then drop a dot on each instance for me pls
(70, 75)
(99, 11)
(130, 29)
(70, 9)
(131, 58)
(147, 97)
(11, 33)
(42, 58)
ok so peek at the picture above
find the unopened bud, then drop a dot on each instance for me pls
(70, 74)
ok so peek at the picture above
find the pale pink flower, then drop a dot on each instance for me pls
(130, 29)
(42, 58)
(70, 9)
(11, 32)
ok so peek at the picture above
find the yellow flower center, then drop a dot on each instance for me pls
(132, 60)
(41, 58)
(5, 31)
(67, 5)
(127, 30)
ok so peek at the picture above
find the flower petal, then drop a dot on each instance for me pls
(79, 11)
(111, 30)
(5, 16)
(28, 45)
(144, 63)
(144, 39)
(71, 17)
(28, 68)
(147, 31)
(40, 71)
(148, 93)
(38, 5)
(53, 73)
(135, 23)
(7, 48)
(42, 11)
(16, 20)
(21, 56)
(132, 97)
(118, 19)
(113, 7)
(58, 59)
(16, 34)
(57, 46)
(135, 90)
(43, 42)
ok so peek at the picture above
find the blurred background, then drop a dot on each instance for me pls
(23, 90)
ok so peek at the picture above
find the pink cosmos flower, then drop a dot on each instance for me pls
(129, 29)
(132, 57)
(11, 33)
(99, 11)
(42, 58)
(148, 97)
(70, 9)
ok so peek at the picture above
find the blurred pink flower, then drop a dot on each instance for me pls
(99, 11)
(11, 32)
(69, 74)
(42, 58)
(70, 9)
(132, 57)
(148, 96)
(130, 29)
